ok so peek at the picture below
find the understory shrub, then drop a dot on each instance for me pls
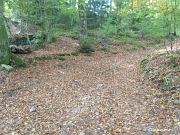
(86, 45)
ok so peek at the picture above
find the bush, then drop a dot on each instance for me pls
(17, 62)
(86, 45)
(52, 39)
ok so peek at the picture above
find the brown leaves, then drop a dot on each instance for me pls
(100, 94)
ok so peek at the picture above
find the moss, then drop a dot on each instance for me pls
(87, 54)
(5, 59)
(61, 58)
(62, 54)
(106, 48)
(5, 52)
(74, 53)
(17, 62)
(1, 60)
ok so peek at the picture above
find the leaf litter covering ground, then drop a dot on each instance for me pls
(101, 94)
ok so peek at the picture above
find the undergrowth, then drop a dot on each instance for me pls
(164, 71)
(86, 45)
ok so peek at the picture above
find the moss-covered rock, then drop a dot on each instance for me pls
(17, 62)
(5, 52)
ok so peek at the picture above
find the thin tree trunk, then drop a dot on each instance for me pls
(110, 12)
(175, 19)
(5, 52)
(82, 17)
(7, 25)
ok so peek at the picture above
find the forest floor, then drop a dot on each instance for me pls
(102, 94)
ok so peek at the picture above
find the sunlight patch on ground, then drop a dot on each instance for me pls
(164, 50)
(130, 65)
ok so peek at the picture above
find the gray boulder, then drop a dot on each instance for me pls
(6, 67)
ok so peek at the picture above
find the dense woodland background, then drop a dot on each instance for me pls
(134, 19)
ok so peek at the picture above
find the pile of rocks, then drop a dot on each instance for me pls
(20, 43)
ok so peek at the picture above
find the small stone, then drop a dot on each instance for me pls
(1, 79)
(148, 133)
(32, 109)
(99, 86)
(82, 133)
(7, 67)
(75, 81)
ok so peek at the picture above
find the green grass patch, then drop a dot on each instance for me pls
(87, 54)
(17, 62)
(144, 61)
(106, 48)
(114, 52)
(61, 58)
(63, 54)
(75, 53)
(173, 64)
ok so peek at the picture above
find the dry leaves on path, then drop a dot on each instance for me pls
(101, 94)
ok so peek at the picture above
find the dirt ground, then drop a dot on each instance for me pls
(101, 94)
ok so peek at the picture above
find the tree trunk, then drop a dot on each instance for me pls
(175, 4)
(110, 12)
(5, 53)
(82, 17)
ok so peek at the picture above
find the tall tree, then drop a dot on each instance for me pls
(82, 17)
(5, 52)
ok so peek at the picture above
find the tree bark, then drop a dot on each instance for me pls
(82, 17)
(175, 4)
(5, 53)
(110, 12)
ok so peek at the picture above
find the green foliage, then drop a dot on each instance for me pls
(177, 101)
(96, 13)
(52, 39)
(86, 45)
(61, 58)
(106, 48)
(68, 54)
(74, 53)
(174, 60)
(144, 61)
(164, 81)
(136, 47)
(63, 54)
(17, 62)
(74, 36)
(128, 40)
(87, 54)
(1, 60)
(114, 52)
(173, 64)
(174, 55)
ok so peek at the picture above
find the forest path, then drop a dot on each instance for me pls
(101, 94)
